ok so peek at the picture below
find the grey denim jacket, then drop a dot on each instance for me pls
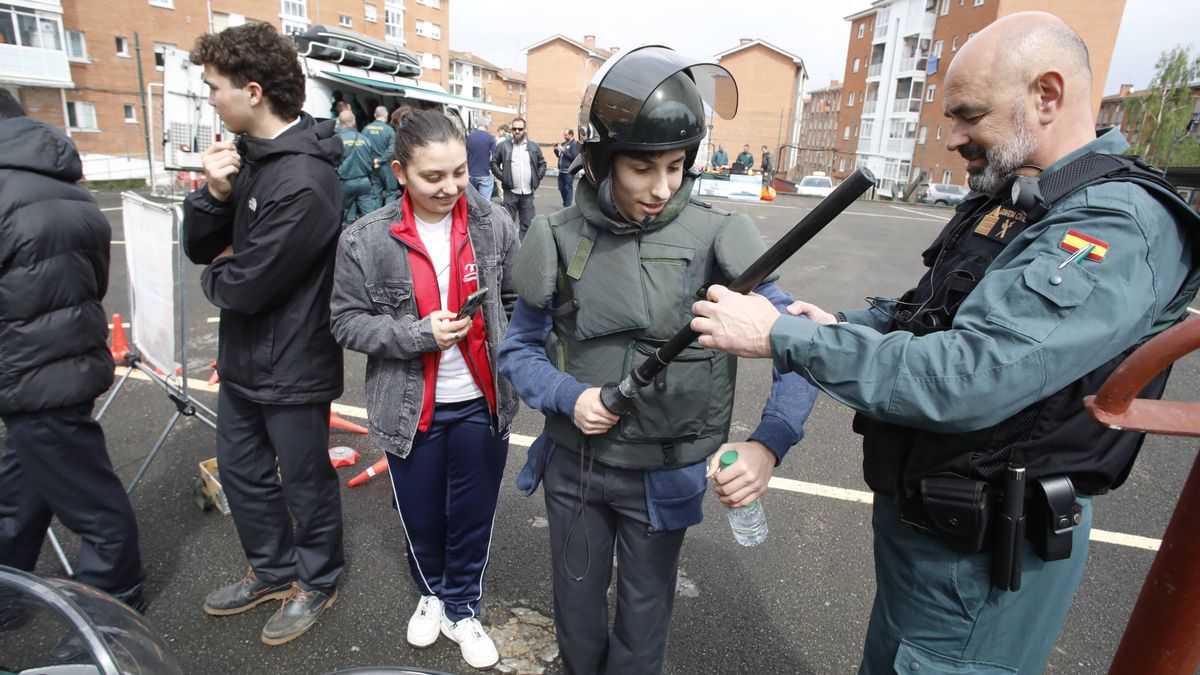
(375, 312)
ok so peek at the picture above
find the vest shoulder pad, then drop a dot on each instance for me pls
(537, 264)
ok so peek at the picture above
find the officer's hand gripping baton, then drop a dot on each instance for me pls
(618, 397)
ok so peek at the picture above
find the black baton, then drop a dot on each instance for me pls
(618, 397)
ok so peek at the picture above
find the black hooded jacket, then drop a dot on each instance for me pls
(282, 219)
(53, 273)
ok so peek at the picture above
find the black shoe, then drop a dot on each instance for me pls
(243, 595)
(298, 613)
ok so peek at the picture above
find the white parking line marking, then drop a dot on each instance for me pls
(785, 484)
(213, 319)
(920, 213)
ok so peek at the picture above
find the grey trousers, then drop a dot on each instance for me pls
(613, 516)
(252, 440)
(520, 209)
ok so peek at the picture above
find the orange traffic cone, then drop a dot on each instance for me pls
(214, 378)
(377, 468)
(120, 347)
(339, 423)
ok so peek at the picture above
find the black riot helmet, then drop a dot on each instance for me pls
(650, 99)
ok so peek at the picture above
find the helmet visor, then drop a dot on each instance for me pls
(618, 91)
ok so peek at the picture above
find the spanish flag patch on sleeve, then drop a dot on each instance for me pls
(1073, 241)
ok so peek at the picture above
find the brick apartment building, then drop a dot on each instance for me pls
(74, 63)
(559, 68)
(473, 77)
(1113, 109)
(819, 132)
(896, 63)
(771, 85)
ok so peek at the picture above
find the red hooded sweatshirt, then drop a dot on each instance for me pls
(463, 282)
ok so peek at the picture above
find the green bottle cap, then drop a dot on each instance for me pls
(728, 458)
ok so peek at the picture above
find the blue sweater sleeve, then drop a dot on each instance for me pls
(523, 361)
(792, 397)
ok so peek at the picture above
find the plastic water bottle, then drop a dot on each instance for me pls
(749, 523)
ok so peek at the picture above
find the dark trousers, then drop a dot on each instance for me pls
(384, 182)
(358, 199)
(581, 546)
(566, 187)
(252, 440)
(446, 492)
(56, 464)
(519, 205)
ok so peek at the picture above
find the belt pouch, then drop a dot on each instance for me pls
(958, 511)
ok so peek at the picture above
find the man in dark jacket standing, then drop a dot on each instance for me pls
(566, 152)
(480, 145)
(266, 226)
(519, 166)
(54, 362)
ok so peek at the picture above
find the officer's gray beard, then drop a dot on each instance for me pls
(1005, 157)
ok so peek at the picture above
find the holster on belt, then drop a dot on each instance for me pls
(955, 510)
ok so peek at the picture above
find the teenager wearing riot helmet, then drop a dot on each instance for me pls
(601, 284)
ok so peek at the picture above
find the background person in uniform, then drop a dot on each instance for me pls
(633, 291)
(444, 415)
(266, 227)
(746, 158)
(519, 166)
(720, 159)
(480, 145)
(767, 166)
(356, 170)
(54, 362)
(566, 152)
(382, 138)
(971, 370)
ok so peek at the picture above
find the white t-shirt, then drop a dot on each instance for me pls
(522, 172)
(454, 381)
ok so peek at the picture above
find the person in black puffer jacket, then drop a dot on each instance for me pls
(54, 362)
(266, 227)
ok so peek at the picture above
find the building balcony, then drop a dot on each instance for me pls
(35, 66)
(925, 27)
(869, 107)
(913, 66)
(864, 145)
(906, 105)
(874, 70)
(901, 146)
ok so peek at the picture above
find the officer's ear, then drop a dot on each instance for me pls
(1048, 90)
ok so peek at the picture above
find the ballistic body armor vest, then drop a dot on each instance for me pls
(617, 293)
(1054, 436)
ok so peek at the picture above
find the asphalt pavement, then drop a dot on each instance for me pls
(797, 604)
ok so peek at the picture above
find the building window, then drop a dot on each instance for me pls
(922, 134)
(509, 85)
(122, 46)
(970, 35)
(81, 116)
(857, 61)
(945, 8)
(436, 4)
(846, 133)
(954, 44)
(344, 21)
(393, 19)
(489, 77)
(850, 103)
(937, 49)
(130, 115)
(429, 29)
(854, 130)
(938, 135)
(862, 28)
(929, 92)
(489, 98)
(159, 50)
(842, 164)
(978, 3)
(947, 176)
(76, 46)
(431, 61)
(295, 9)
(168, 4)
(370, 13)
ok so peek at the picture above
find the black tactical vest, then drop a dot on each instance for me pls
(1054, 436)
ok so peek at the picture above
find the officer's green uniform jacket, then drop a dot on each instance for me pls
(746, 158)
(381, 137)
(356, 155)
(1007, 347)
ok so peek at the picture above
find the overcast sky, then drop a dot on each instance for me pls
(500, 30)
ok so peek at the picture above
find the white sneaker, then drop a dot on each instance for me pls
(478, 650)
(423, 626)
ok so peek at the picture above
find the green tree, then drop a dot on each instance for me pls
(1159, 118)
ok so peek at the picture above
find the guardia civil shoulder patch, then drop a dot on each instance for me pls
(1073, 241)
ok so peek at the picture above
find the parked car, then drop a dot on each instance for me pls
(942, 194)
(816, 185)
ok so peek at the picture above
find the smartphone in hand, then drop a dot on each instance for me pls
(472, 304)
